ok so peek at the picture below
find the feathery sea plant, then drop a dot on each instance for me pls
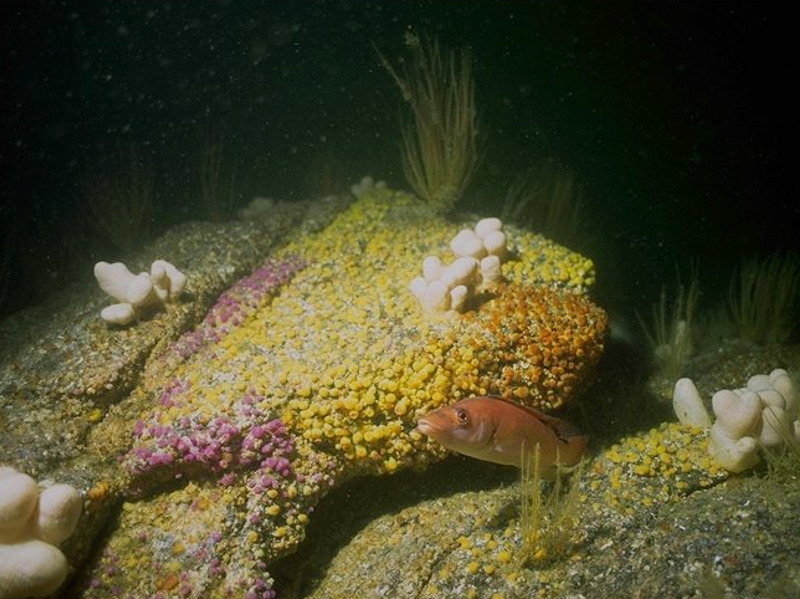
(764, 297)
(118, 196)
(548, 522)
(6, 256)
(440, 147)
(546, 199)
(783, 462)
(670, 331)
(217, 175)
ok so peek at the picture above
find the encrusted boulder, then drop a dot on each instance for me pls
(313, 371)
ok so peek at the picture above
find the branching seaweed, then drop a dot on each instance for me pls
(118, 196)
(670, 331)
(783, 462)
(548, 521)
(440, 149)
(546, 199)
(217, 174)
(763, 298)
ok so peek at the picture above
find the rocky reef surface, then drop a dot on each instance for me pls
(204, 437)
(257, 438)
(737, 539)
(651, 515)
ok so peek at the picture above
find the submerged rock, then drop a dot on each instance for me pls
(204, 456)
(309, 372)
(738, 539)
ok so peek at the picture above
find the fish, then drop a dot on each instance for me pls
(497, 430)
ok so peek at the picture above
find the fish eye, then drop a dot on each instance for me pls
(462, 416)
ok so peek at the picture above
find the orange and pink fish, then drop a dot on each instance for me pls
(501, 431)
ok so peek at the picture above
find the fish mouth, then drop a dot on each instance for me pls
(426, 427)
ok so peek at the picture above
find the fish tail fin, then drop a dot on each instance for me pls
(576, 449)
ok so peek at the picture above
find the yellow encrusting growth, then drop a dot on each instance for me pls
(673, 460)
(352, 361)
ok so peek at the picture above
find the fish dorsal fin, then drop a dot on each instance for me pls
(562, 429)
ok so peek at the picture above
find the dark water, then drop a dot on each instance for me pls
(677, 118)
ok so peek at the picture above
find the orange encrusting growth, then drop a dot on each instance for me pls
(541, 341)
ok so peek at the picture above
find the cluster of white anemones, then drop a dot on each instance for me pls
(164, 283)
(762, 414)
(32, 523)
(479, 253)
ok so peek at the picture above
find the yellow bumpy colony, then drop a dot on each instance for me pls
(347, 359)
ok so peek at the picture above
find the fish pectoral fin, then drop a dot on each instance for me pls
(507, 448)
(497, 443)
(499, 448)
